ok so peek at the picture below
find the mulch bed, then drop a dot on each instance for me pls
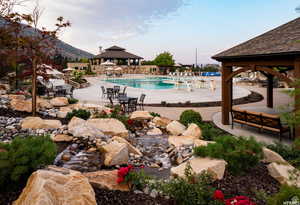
(105, 197)
(248, 184)
(253, 97)
(12, 113)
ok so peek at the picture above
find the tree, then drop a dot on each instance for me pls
(35, 50)
(164, 59)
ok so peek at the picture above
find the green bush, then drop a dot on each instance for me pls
(209, 132)
(285, 195)
(190, 116)
(240, 153)
(192, 190)
(72, 100)
(23, 156)
(154, 114)
(289, 153)
(83, 114)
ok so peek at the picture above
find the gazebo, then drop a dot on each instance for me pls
(273, 54)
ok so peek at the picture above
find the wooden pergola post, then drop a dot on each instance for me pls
(297, 97)
(226, 94)
(270, 91)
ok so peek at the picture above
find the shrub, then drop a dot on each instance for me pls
(83, 114)
(240, 153)
(209, 132)
(72, 100)
(192, 190)
(190, 116)
(23, 156)
(285, 195)
(289, 153)
(154, 114)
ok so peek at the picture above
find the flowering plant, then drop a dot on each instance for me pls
(123, 172)
(237, 200)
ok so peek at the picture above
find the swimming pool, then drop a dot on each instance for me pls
(150, 83)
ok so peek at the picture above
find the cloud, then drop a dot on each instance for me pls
(107, 20)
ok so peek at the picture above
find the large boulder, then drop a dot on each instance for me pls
(57, 186)
(21, 105)
(154, 132)
(282, 173)
(161, 121)
(131, 149)
(199, 143)
(115, 153)
(62, 138)
(179, 141)
(193, 130)
(106, 180)
(109, 126)
(80, 128)
(44, 104)
(175, 128)
(59, 101)
(141, 115)
(214, 166)
(16, 97)
(63, 111)
(38, 123)
(271, 156)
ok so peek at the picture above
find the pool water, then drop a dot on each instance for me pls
(151, 83)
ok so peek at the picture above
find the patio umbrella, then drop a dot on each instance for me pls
(108, 63)
(118, 69)
(68, 69)
(109, 69)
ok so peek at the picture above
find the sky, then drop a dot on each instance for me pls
(149, 27)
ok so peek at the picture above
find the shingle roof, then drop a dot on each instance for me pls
(117, 52)
(284, 39)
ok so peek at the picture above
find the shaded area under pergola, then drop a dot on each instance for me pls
(274, 53)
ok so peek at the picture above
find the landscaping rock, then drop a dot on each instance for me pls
(63, 111)
(175, 128)
(44, 104)
(16, 97)
(21, 105)
(80, 128)
(131, 149)
(106, 180)
(271, 156)
(179, 141)
(161, 121)
(109, 126)
(154, 132)
(57, 186)
(62, 138)
(59, 101)
(282, 173)
(141, 115)
(38, 123)
(194, 131)
(214, 166)
(116, 153)
(199, 143)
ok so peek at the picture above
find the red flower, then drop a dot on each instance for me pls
(218, 195)
(130, 122)
(120, 180)
(142, 166)
(239, 200)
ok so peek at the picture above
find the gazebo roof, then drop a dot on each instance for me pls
(283, 40)
(117, 52)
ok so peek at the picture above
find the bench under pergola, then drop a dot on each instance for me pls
(278, 48)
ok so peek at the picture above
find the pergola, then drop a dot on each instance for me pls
(278, 48)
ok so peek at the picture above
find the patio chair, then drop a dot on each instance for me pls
(104, 93)
(124, 90)
(69, 91)
(60, 91)
(141, 101)
(132, 105)
(117, 90)
(110, 93)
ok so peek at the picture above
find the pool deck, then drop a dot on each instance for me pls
(93, 93)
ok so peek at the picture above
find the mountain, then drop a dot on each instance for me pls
(64, 49)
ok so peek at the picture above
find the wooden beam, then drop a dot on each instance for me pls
(297, 97)
(270, 91)
(226, 94)
(271, 62)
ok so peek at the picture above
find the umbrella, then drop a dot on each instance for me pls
(108, 63)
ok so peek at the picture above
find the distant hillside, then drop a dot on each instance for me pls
(65, 49)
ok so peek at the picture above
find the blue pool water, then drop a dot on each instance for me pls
(154, 83)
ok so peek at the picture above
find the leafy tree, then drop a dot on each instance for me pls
(164, 59)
